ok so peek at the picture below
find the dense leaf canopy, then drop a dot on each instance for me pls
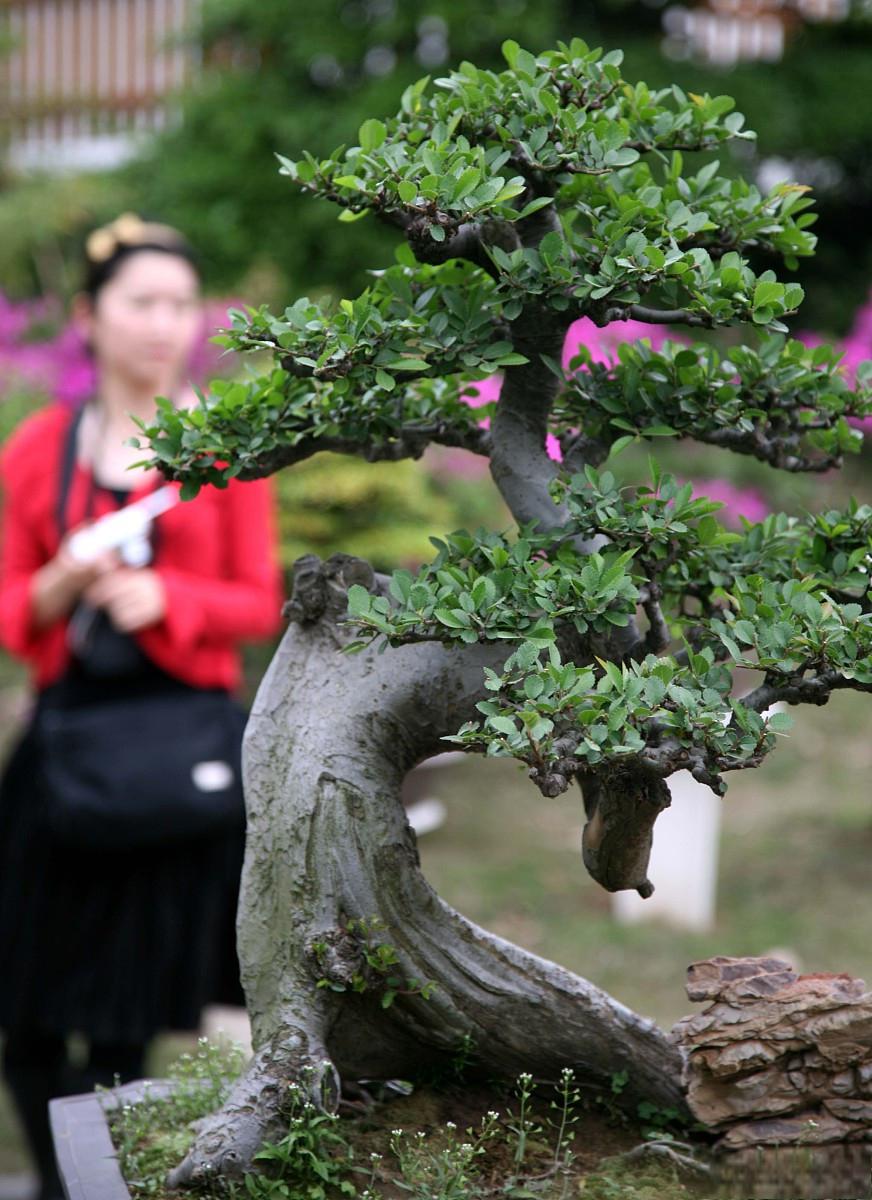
(527, 199)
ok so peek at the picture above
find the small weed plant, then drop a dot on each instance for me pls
(379, 964)
(309, 1163)
(445, 1167)
(529, 1150)
(152, 1135)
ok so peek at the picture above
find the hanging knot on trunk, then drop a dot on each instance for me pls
(320, 589)
(616, 843)
(337, 958)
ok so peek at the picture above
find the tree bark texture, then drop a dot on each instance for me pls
(330, 739)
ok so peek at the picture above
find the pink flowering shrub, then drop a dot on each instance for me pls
(47, 358)
(602, 345)
(738, 501)
(856, 347)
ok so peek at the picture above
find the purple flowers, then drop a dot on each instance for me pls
(39, 353)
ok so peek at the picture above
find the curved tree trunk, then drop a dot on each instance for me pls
(330, 739)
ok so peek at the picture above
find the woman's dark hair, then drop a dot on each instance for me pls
(107, 248)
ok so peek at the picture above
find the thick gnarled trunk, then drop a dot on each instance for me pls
(330, 739)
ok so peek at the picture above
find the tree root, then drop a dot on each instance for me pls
(679, 1154)
(254, 1112)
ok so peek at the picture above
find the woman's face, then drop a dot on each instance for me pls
(145, 321)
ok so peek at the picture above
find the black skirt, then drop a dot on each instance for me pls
(116, 946)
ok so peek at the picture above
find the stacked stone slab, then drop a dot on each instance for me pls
(777, 1058)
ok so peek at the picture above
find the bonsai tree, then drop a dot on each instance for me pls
(598, 642)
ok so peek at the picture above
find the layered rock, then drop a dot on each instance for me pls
(777, 1058)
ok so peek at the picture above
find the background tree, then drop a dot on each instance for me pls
(597, 644)
(305, 79)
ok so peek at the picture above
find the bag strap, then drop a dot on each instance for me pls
(68, 466)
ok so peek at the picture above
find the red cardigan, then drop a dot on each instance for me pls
(215, 555)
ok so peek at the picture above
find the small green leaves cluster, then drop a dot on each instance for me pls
(154, 1134)
(413, 320)
(250, 427)
(544, 711)
(310, 1162)
(482, 587)
(830, 551)
(790, 628)
(661, 523)
(447, 158)
(447, 178)
(380, 965)
(487, 151)
(564, 129)
(705, 208)
(790, 623)
(646, 228)
(783, 402)
(837, 550)
(678, 543)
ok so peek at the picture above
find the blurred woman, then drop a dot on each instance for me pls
(116, 941)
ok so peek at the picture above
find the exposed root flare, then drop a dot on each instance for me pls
(254, 1112)
(677, 1154)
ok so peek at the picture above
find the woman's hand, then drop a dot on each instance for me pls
(58, 585)
(133, 597)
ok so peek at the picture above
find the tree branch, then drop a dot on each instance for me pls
(410, 441)
(815, 689)
(777, 451)
(672, 316)
(520, 465)
(658, 635)
(467, 241)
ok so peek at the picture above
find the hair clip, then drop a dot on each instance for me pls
(128, 229)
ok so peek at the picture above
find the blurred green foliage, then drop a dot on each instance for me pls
(383, 512)
(308, 76)
(281, 77)
(42, 226)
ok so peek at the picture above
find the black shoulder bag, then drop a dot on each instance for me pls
(134, 763)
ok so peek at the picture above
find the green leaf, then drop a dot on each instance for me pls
(372, 134)
(359, 600)
(622, 443)
(513, 188)
(533, 206)
(407, 191)
(510, 51)
(766, 293)
(659, 431)
(780, 722)
(408, 364)
(448, 616)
